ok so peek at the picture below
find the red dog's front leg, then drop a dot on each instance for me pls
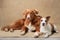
(36, 34)
(23, 30)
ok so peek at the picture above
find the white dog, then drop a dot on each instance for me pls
(46, 27)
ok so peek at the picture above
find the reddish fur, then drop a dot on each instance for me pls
(17, 25)
(20, 24)
(35, 20)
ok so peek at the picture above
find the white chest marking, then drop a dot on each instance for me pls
(30, 27)
(28, 16)
(45, 29)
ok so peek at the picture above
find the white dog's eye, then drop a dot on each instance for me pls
(45, 20)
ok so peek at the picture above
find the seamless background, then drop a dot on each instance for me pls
(11, 10)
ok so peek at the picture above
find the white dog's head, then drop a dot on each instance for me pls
(44, 20)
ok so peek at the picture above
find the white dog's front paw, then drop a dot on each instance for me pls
(36, 35)
(22, 33)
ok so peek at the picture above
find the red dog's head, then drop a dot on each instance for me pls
(30, 13)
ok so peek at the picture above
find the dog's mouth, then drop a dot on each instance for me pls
(29, 18)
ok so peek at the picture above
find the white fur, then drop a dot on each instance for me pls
(28, 16)
(46, 28)
(43, 20)
(55, 28)
(30, 27)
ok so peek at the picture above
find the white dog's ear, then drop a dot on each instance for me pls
(48, 17)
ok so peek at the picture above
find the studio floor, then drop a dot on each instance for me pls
(16, 34)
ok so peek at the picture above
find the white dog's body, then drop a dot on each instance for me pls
(46, 27)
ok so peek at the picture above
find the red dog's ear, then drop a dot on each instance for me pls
(25, 12)
(48, 17)
(35, 11)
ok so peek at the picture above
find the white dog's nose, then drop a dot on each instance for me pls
(43, 24)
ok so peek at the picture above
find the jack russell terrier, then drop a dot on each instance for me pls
(46, 27)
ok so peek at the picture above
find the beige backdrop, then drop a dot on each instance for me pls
(11, 10)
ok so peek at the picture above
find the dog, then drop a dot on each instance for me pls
(32, 21)
(17, 25)
(46, 27)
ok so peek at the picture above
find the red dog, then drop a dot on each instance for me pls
(31, 21)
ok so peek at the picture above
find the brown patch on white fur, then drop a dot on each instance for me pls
(52, 30)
